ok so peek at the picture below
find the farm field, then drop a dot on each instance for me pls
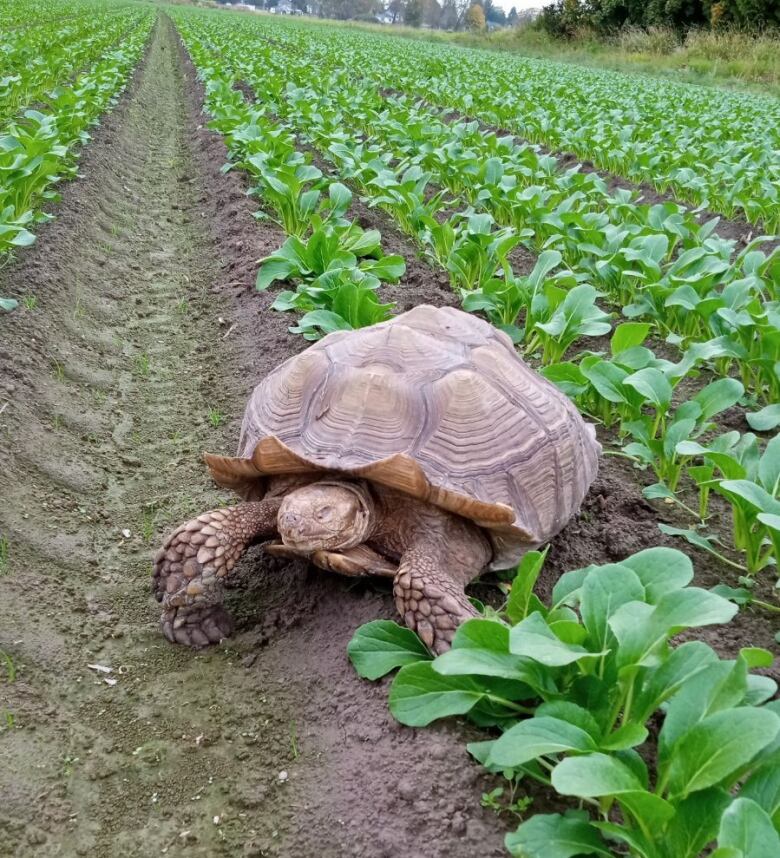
(188, 197)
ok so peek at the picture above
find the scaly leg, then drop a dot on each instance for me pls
(428, 597)
(190, 568)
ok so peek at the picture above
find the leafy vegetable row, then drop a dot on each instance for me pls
(40, 148)
(575, 687)
(466, 244)
(716, 148)
(657, 262)
(45, 54)
(338, 265)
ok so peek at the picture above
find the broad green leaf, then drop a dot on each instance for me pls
(752, 496)
(597, 775)
(747, 827)
(273, 269)
(8, 304)
(324, 320)
(555, 836)
(419, 695)
(547, 260)
(756, 657)
(692, 607)
(533, 638)
(769, 520)
(769, 469)
(380, 646)
(340, 197)
(308, 172)
(661, 570)
(482, 633)
(565, 710)
(660, 683)
(604, 590)
(485, 662)
(566, 376)
(627, 335)
(23, 238)
(641, 632)
(608, 380)
(388, 269)
(759, 689)
(657, 491)
(366, 243)
(593, 775)
(716, 748)
(766, 419)
(536, 737)
(763, 786)
(653, 385)
(567, 587)
(628, 736)
(695, 824)
(720, 685)
(718, 396)
(523, 584)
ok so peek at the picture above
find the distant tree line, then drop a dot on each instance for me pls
(567, 18)
(435, 14)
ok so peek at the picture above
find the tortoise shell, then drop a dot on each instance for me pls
(435, 403)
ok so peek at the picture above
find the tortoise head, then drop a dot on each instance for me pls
(326, 515)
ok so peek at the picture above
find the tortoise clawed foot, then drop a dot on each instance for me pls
(197, 627)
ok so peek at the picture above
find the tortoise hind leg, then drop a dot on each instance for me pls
(190, 569)
(431, 601)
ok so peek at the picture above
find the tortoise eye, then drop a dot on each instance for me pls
(323, 513)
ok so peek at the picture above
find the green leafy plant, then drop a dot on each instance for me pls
(660, 436)
(328, 249)
(469, 248)
(344, 299)
(749, 480)
(590, 670)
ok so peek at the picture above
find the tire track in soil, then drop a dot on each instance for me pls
(109, 381)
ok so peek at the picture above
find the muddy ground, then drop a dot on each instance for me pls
(137, 345)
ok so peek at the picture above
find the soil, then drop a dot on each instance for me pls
(143, 342)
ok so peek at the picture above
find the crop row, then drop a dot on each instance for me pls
(657, 262)
(716, 148)
(39, 148)
(632, 389)
(573, 688)
(37, 58)
(337, 264)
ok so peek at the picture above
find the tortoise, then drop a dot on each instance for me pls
(421, 448)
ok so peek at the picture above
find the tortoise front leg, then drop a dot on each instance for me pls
(190, 568)
(431, 601)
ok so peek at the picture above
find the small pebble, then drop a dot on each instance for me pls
(407, 789)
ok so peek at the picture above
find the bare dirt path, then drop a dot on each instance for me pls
(114, 374)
